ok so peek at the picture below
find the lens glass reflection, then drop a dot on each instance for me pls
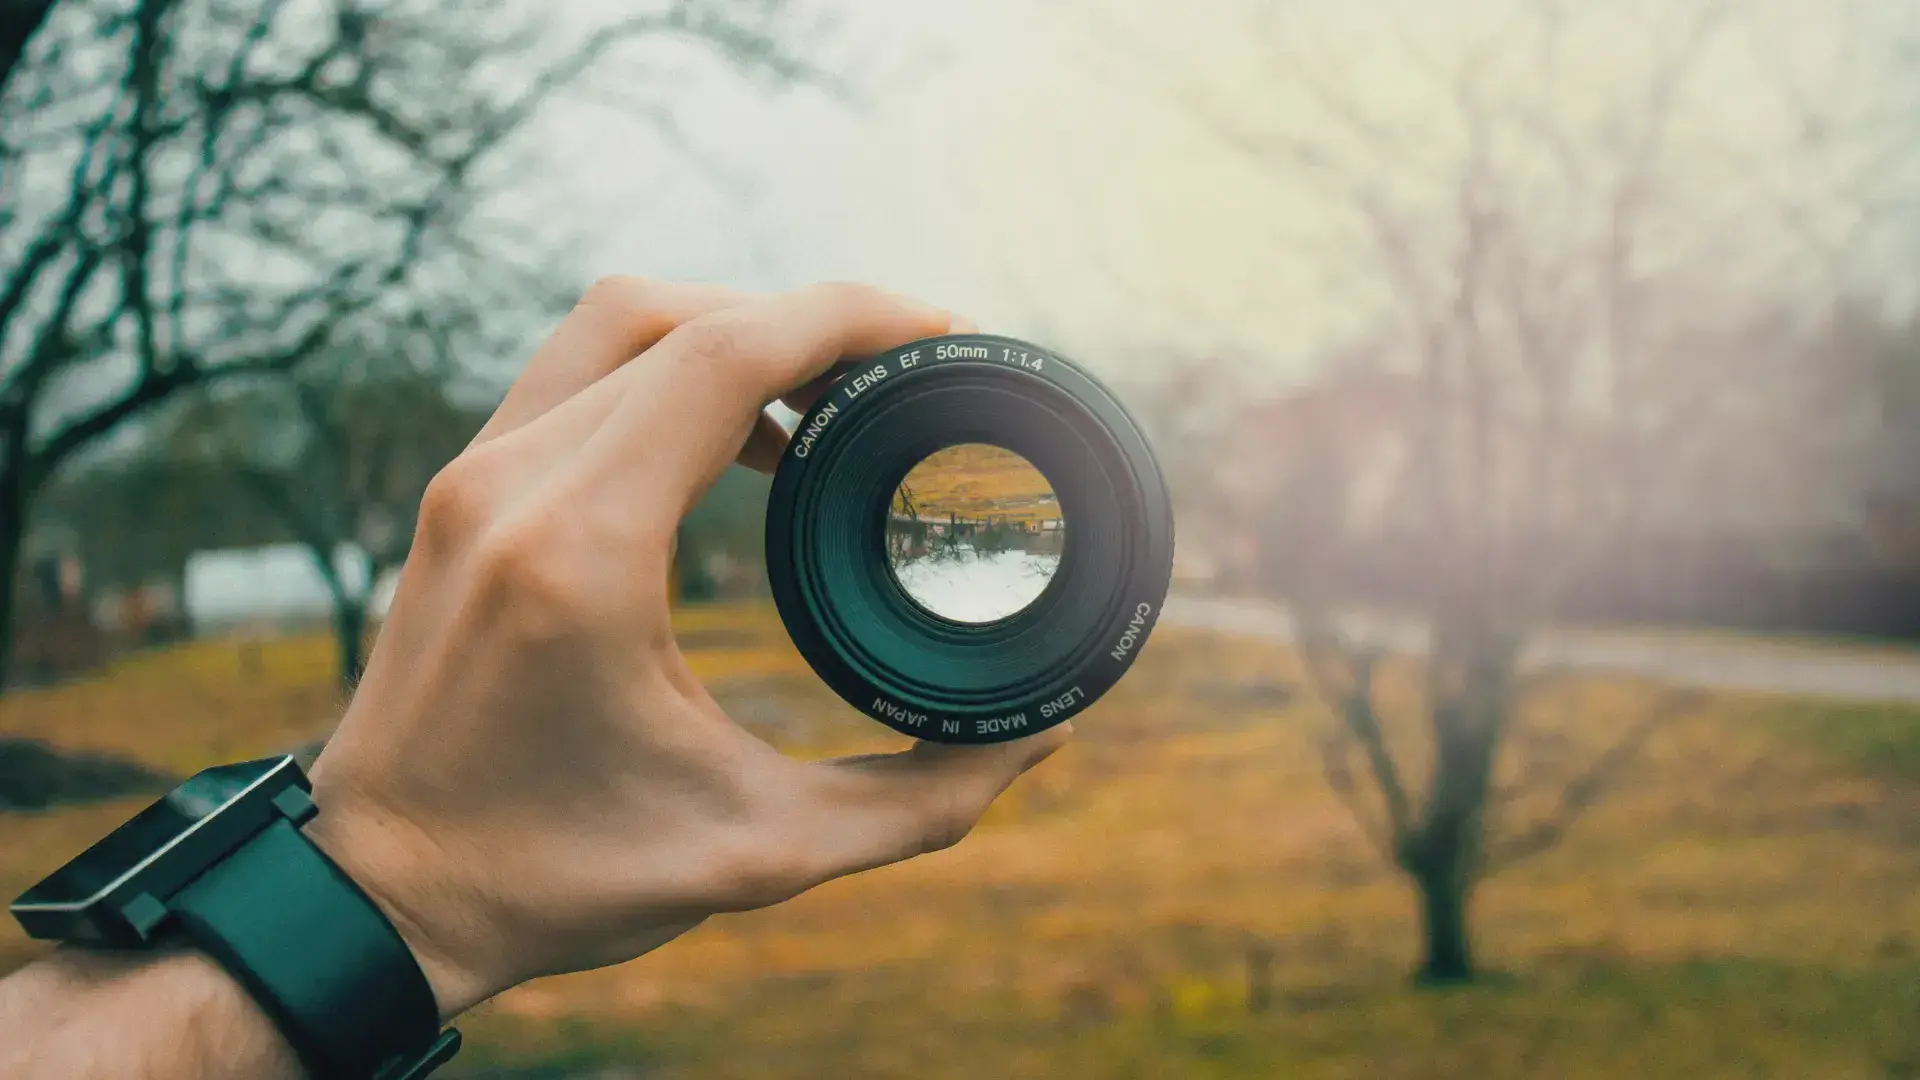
(974, 533)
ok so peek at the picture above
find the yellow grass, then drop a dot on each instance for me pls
(975, 481)
(1748, 905)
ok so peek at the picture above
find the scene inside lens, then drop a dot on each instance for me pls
(974, 533)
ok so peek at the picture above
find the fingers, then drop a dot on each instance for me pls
(802, 398)
(692, 404)
(616, 320)
(880, 809)
(765, 443)
(768, 440)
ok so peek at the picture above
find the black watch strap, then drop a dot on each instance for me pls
(317, 954)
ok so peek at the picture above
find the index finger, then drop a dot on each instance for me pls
(689, 408)
(616, 320)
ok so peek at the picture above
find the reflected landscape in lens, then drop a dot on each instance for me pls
(974, 533)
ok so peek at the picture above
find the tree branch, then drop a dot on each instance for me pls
(1353, 706)
(137, 250)
(1334, 754)
(64, 228)
(53, 343)
(218, 106)
(1584, 790)
(150, 391)
(273, 492)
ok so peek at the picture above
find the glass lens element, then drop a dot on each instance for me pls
(974, 533)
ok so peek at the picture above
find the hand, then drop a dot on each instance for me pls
(530, 780)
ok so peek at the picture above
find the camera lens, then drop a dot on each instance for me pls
(968, 538)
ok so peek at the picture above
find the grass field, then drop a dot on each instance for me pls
(975, 481)
(1748, 905)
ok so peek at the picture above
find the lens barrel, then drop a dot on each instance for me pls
(918, 673)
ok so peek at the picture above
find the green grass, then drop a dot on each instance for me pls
(1570, 1019)
(562, 1049)
(1878, 739)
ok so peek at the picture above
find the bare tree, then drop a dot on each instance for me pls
(193, 191)
(339, 453)
(1565, 287)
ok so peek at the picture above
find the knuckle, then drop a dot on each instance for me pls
(723, 344)
(851, 295)
(630, 307)
(620, 293)
(452, 506)
(523, 571)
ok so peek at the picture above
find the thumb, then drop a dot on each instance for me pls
(878, 809)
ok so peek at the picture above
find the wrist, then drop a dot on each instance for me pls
(391, 868)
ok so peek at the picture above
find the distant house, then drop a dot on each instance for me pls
(54, 636)
(1349, 433)
(1357, 423)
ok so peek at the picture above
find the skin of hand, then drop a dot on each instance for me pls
(529, 779)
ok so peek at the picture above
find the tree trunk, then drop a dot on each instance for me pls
(1447, 943)
(349, 615)
(19, 21)
(1471, 676)
(13, 533)
(349, 631)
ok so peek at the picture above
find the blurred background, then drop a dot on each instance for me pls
(1539, 383)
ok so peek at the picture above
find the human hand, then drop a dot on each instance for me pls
(529, 779)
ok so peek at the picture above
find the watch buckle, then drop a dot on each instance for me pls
(405, 1068)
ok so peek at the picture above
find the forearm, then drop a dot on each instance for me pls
(82, 1014)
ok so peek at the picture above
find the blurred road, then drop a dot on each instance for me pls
(1866, 672)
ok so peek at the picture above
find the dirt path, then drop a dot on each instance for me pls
(1812, 668)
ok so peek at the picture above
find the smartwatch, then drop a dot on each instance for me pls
(220, 863)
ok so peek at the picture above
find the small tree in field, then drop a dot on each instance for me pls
(1566, 289)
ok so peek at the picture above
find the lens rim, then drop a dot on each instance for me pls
(937, 679)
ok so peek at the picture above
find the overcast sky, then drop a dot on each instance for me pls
(1057, 169)
(777, 187)
(1031, 163)
(987, 165)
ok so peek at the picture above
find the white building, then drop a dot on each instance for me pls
(271, 588)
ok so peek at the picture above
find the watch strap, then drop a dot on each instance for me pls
(317, 954)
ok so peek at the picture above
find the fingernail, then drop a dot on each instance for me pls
(960, 324)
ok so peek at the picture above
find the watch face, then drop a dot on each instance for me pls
(165, 831)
